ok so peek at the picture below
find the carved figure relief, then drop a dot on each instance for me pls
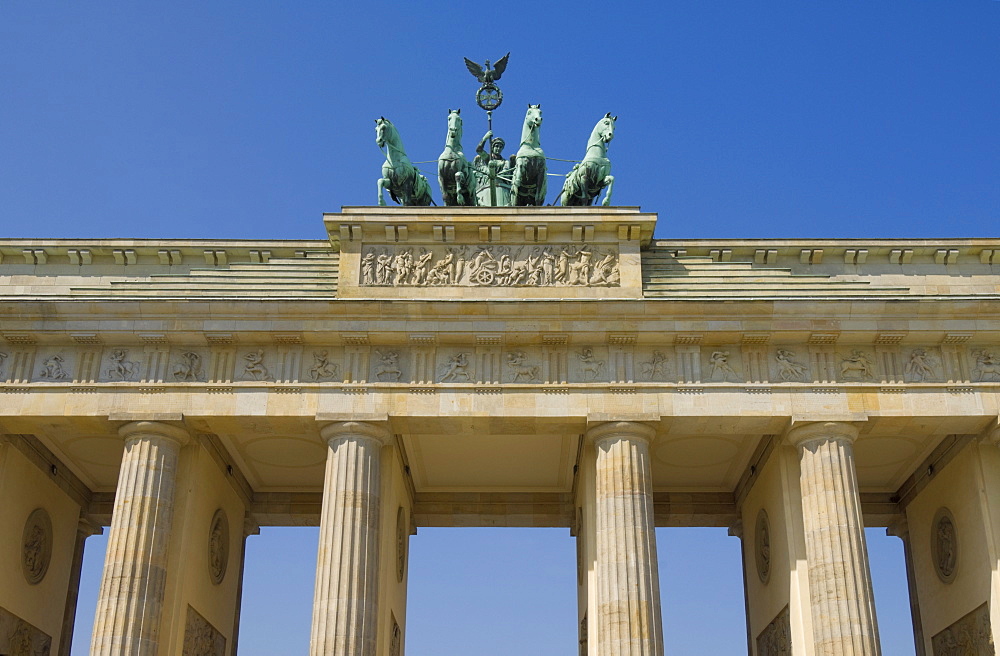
(590, 366)
(762, 546)
(490, 266)
(36, 546)
(776, 638)
(944, 545)
(200, 637)
(52, 368)
(920, 366)
(322, 368)
(655, 367)
(788, 368)
(969, 636)
(188, 369)
(388, 365)
(456, 368)
(396, 643)
(402, 533)
(858, 365)
(254, 368)
(121, 367)
(987, 366)
(218, 546)
(19, 638)
(719, 362)
(515, 360)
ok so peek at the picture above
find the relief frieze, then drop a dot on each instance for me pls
(490, 266)
(493, 364)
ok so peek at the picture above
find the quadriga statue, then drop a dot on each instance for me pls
(405, 183)
(455, 173)
(529, 184)
(587, 178)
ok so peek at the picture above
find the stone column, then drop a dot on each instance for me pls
(132, 587)
(345, 603)
(840, 587)
(736, 531)
(84, 530)
(250, 527)
(901, 529)
(628, 587)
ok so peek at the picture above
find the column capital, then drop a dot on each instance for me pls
(822, 431)
(139, 429)
(363, 429)
(87, 527)
(899, 528)
(736, 529)
(630, 430)
(993, 435)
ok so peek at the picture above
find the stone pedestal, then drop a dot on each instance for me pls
(131, 597)
(345, 603)
(843, 607)
(628, 590)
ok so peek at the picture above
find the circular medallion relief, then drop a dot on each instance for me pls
(401, 541)
(762, 546)
(218, 546)
(36, 546)
(944, 545)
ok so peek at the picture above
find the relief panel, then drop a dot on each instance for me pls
(969, 636)
(18, 638)
(655, 365)
(588, 364)
(790, 365)
(776, 638)
(121, 365)
(201, 638)
(986, 365)
(490, 266)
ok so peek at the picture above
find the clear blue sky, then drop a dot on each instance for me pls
(736, 119)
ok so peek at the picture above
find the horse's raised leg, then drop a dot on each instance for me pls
(609, 185)
(381, 194)
(543, 187)
(515, 184)
(444, 187)
(460, 187)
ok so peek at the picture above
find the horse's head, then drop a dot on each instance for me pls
(533, 117)
(383, 131)
(605, 128)
(455, 125)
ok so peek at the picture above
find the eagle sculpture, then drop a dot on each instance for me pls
(484, 73)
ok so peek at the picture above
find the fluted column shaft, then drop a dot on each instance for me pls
(840, 588)
(345, 603)
(628, 585)
(135, 568)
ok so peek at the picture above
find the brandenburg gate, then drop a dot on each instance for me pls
(498, 366)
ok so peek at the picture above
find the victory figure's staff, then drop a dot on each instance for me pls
(493, 177)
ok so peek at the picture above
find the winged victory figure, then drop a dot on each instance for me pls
(484, 73)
